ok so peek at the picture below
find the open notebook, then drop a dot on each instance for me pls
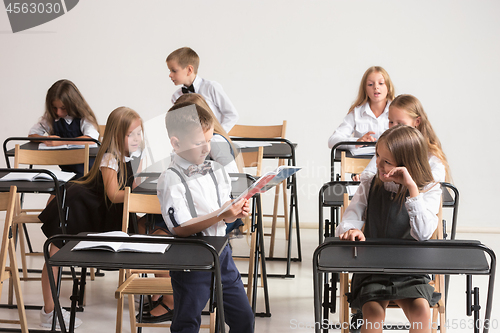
(122, 246)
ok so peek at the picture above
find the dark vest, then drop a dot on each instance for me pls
(386, 217)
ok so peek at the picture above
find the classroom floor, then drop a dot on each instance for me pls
(291, 299)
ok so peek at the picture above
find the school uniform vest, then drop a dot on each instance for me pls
(73, 130)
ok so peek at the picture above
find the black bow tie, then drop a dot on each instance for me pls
(187, 90)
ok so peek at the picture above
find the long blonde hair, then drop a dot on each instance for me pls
(114, 143)
(363, 96)
(72, 99)
(413, 108)
(409, 149)
(200, 101)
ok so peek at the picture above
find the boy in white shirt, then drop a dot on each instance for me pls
(183, 65)
(192, 192)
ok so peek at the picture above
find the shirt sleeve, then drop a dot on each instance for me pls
(371, 168)
(423, 210)
(109, 161)
(437, 168)
(229, 115)
(40, 128)
(172, 196)
(344, 131)
(353, 216)
(89, 130)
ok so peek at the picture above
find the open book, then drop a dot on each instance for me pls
(265, 182)
(43, 146)
(122, 247)
(365, 150)
(35, 176)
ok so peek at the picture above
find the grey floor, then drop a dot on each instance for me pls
(291, 298)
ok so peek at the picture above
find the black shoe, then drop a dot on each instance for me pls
(148, 318)
(146, 307)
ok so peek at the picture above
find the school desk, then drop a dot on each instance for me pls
(383, 256)
(283, 149)
(32, 144)
(192, 253)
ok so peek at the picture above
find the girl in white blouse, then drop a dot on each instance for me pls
(401, 201)
(367, 117)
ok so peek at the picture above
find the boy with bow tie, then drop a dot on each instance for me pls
(192, 192)
(183, 65)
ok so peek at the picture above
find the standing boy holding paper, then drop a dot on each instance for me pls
(192, 192)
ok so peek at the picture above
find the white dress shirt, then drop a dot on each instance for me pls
(422, 209)
(217, 100)
(358, 122)
(172, 194)
(87, 128)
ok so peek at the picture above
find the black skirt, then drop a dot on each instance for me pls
(87, 211)
(384, 287)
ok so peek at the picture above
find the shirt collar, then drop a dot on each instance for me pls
(181, 162)
(136, 153)
(365, 109)
(197, 83)
(68, 119)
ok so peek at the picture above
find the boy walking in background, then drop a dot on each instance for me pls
(183, 65)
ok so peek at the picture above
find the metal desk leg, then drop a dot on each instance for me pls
(260, 253)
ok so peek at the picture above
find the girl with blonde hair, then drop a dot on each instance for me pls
(407, 110)
(367, 116)
(95, 202)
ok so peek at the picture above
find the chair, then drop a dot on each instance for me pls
(132, 282)
(7, 203)
(102, 129)
(41, 157)
(263, 132)
(350, 165)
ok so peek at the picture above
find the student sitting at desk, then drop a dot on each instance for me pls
(67, 115)
(407, 110)
(367, 117)
(95, 203)
(192, 192)
(401, 201)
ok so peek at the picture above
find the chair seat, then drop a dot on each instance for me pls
(136, 285)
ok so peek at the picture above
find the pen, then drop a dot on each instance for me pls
(355, 250)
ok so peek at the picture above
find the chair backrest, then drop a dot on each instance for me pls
(253, 160)
(52, 157)
(138, 203)
(7, 203)
(102, 128)
(351, 165)
(247, 131)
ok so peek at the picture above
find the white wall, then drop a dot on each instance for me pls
(296, 60)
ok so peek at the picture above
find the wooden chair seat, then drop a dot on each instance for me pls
(132, 282)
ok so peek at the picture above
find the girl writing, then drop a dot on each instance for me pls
(94, 203)
(402, 201)
(407, 110)
(367, 117)
(67, 115)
